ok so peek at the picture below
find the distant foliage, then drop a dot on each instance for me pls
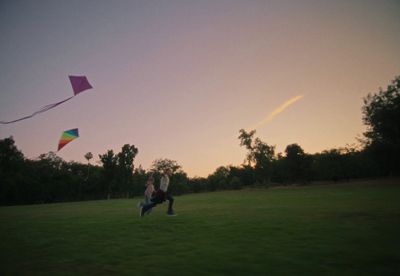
(50, 179)
(381, 113)
(88, 156)
(164, 164)
(260, 154)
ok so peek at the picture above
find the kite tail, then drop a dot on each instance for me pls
(43, 109)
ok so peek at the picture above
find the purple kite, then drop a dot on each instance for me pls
(79, 84)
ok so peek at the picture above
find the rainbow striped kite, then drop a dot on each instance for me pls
(67, 136)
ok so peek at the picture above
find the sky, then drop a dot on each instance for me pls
(179, 79)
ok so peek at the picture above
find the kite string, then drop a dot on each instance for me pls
(43, 109)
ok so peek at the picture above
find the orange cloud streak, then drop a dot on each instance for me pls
(277, 111)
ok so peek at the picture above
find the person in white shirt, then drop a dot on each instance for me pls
(161, 196)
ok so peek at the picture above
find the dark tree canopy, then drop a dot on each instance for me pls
(163, 164)
(381, 113)
(48, 178)
(10, 155)
(297, 163)
(294, 151)
(259, 153)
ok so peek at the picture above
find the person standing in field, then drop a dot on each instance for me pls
(148, 193)
(160, 196)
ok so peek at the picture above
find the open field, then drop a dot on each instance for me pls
(350, 229)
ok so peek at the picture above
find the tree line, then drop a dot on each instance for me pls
(51, 179)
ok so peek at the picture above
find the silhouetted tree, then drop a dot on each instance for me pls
(244, 173)
(139, 179)
(219, 179)
(197, 184)
(381, 113)
(109, 161)
(10, 156)
(297, 163)
(161, 165)
(178, 179)
(246, 140)
(125, 165)
(259, 153)
(11, 166)
(329, 165)
(88, 156)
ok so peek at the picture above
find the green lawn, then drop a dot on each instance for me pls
(350, 229)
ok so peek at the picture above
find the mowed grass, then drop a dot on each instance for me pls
(349, 229)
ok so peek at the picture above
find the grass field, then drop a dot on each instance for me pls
(344, 229)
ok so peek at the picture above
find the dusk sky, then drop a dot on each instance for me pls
(178, 79)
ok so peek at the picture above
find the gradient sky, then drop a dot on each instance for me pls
(178, 79)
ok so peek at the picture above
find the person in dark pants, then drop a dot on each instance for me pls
(161, 196)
